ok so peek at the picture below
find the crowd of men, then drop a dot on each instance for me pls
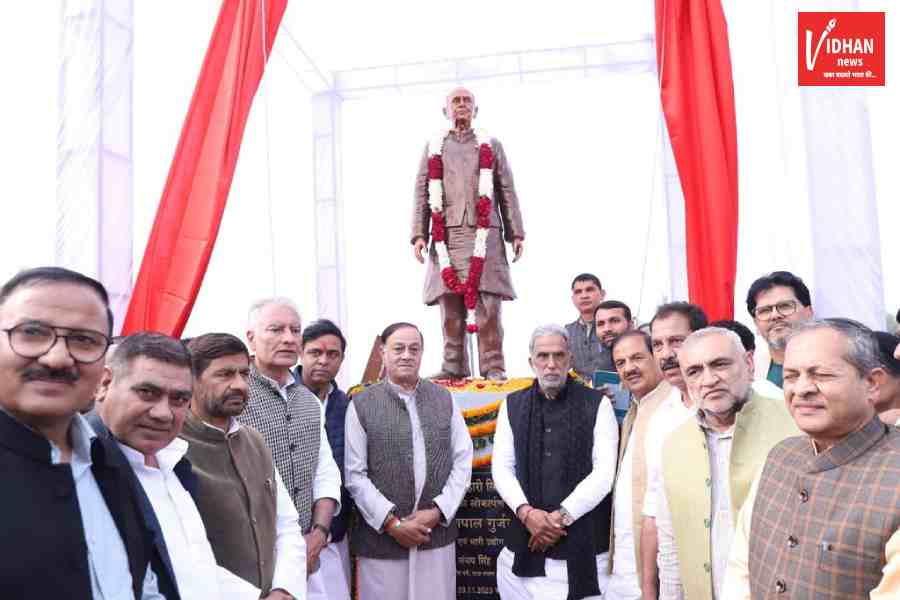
(213, 469)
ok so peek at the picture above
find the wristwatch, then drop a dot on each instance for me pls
(566, 516)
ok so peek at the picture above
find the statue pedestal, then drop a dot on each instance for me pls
(483, 517)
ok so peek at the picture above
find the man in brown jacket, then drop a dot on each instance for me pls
(249, 516)
(459, 157)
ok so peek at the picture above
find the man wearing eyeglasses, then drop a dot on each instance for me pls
(776, 302)
(69, 514)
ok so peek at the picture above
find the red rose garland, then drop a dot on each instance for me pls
(469, 289)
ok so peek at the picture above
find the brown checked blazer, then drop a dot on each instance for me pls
(820, 523)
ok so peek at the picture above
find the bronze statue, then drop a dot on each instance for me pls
(465, 185)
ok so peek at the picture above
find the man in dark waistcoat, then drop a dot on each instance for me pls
(322, 352)
(554, 463)
(408, 466)
(249, 516)
(71, 522)
(823, 519)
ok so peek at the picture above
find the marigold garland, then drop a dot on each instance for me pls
(482, 429)
(482, 461)
(482, 410)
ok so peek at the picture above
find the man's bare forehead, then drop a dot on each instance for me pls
(460, 92)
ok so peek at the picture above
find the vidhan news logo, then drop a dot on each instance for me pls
(840, 48)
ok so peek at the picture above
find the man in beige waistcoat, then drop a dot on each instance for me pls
(458, 164)
(250, 519)
(710, 460)
(632, 356)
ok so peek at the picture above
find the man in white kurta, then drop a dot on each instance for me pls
(414, 573)
(143, 400)
(585, 503)
(196, 571)
(667, 418)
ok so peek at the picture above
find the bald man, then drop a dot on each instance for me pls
(450, 165)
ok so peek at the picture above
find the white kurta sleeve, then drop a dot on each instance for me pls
(327, 483)
(290, 547)
(454, 490)
(594, 488)
(889, 586)
(234, 587)
(737, 575)
(371, 503)
(503, 463)
(653, 452)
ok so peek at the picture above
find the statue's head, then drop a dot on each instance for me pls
(460, 107)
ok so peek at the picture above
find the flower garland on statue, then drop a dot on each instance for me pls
(469, 289)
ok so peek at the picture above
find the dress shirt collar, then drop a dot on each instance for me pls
(709, 429)
(402, 392)
(291, 380)
(167, 458)
(81, 435)
(588, 326)
(233, 426)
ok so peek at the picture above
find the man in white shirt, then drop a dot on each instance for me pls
(671, 325)
(632, 354)
(554, 463)
(248, 513)
(143, 400)
(289, 417)
(408, 465)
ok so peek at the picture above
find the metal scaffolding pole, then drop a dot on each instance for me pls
(330, 284)
(94, 145)
(517, 67)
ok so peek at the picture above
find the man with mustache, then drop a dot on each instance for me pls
(822, 519)
(250, 519)
(289, 417)
(321, 356)
(632, 354)
(71, 522)
(554, 463)
(408, 465)
(710, 460)
(457, 152)
(776, 302)
(670, 326)
(142, 402)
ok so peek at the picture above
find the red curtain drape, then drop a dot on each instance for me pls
(698, 103)
(193, 200)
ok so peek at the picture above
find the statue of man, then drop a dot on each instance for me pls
(466, 203)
